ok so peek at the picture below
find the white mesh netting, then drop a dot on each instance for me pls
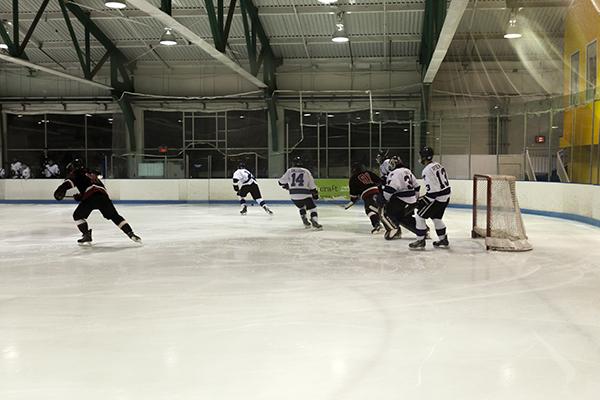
(496, 213)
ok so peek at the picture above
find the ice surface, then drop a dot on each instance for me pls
(219, 306)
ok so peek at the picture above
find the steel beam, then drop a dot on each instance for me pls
(184, 31)
(450, 25)
(32, 27)
(24, 63)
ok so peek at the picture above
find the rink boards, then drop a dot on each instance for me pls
(570, 201)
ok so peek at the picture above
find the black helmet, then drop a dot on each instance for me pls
(242, 165)
(426, 154)
(297, 162)
(75, 165)
(395, 162)
(357, 168)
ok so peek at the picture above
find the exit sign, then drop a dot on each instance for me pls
(540, 139)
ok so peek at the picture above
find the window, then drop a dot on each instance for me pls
(33, 139)
(591, 70)
(574, 78)
(333, 141)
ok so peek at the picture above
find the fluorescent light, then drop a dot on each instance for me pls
(115, 4)
(168, 38)
(329, 115)
(327, 1)
(307, 115)
(242, 117)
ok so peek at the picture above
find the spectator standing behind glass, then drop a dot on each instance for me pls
(15, 169)
(25, 172)
(51, 170)
(2, 173)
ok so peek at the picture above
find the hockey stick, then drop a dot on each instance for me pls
(348, 205)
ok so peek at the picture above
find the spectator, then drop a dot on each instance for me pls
(26, 172)
(15, 169)
(51, 170)
(2, 173)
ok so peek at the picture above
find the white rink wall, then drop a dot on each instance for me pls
(571, 200)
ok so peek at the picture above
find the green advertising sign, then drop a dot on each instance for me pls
(336, 189)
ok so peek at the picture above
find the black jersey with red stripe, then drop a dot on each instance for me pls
(86, 181)
(364, 185)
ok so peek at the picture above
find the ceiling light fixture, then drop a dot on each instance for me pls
(513, 31)
(168, 38)
(327, 1)
(119, 5)
(339, 34)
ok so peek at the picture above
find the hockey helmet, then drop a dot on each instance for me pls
(75, 165)
(297, 161)
(426, 154)
(357, 168)
(395, 162)
(380, 157)
(241, 165)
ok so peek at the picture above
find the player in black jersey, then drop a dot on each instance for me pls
(365, 185)
(92, 196)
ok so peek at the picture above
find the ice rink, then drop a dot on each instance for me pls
(219, 306)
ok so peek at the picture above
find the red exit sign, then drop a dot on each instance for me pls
(540, 139)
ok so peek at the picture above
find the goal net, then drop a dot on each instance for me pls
(496, 213)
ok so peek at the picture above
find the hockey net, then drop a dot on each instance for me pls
(496, 213)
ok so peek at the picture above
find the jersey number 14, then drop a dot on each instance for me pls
(297, 180)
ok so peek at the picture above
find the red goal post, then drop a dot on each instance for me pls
(496, 213)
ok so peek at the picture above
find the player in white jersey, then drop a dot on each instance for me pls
(384, 165)
(303, 191)
(244, 183)
(401, 192)
(435, 201)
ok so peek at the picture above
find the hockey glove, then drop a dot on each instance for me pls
(285, 186)
(59, 194)
(315, 194)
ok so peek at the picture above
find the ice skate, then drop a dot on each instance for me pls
(86, 238)
(244, 210)
(417, 245)
(316, 224)
(135, 237)
(376, 229)
(442, 243)
(306, 222)
(267, 210)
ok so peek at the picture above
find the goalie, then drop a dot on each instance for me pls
(401, 193)
(365, 185)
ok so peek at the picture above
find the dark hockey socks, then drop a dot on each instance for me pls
(82, 225)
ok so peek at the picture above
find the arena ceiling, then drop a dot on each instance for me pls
(299, 31)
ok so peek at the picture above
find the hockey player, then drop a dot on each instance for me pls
(383, 161)
(244, 183)
(92, 196)
(365, 185)
(303, 191)
(401, 193)
(434, 203)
